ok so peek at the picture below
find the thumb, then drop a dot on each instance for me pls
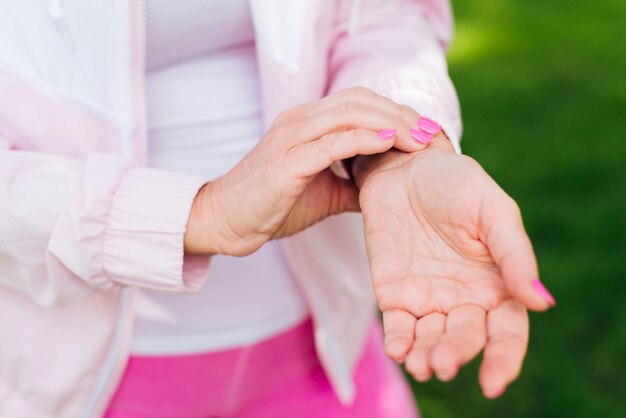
(503, 232)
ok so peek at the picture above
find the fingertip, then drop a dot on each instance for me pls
(533, 295)
(418, 368)
(491, 386)
(494, 380)
(417, 364)
(398, 326)
(444, 362)
(423, 378)
(540, 307)
(384, 140)
(397, 348)
(404, 142)
(446, 375)
(533, 303)
(493, 392)
(421, 137)
(543, 291)
(387, 134)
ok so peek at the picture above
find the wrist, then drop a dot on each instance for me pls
(200, 235)
(365, 165)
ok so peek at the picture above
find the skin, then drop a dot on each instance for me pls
(451, 263)
(284, 184)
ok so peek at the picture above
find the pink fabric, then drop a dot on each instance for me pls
(32, 120)
(281, 377)
(56, 194)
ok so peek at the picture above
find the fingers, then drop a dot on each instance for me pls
(512, 251)
(399, 327)
(507, 329)
(428, 331)
(464, 338)
(365, 97)
(311, 158)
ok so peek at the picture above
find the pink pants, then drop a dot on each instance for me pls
(280, 377)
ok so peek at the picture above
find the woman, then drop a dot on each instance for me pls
(99, 252)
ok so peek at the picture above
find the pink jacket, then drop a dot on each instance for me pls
(83, 223)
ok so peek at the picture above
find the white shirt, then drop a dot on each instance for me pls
(204, 115)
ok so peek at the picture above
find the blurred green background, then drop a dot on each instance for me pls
(542, 85)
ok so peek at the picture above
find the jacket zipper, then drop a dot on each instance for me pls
(103, 382)
(112, 356)
(56, 11)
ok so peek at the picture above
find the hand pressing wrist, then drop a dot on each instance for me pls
(426, 132)
(364, 165)
(284, 185)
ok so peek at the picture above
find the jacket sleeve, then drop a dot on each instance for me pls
(69, 227)
(397, 48)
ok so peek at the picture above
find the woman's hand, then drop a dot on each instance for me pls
(284, 184)
(452, 266)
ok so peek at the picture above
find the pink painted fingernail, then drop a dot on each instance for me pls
(388, 134)
(541, 289)
(429, 126)
(421, 136)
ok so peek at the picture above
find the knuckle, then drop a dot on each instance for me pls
(357, 91)
(351, 136)
(301, 109)
(510, 206)
(327, 143)
(406, 112)
(362, 91)
(289, 115)
(283, 117)
(347, 109)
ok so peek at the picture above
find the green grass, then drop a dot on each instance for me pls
(543, 90)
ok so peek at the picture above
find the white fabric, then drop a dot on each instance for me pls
(204, 115)
(60, 65)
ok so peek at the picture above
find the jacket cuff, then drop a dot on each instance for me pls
(143, 241)
(432, 107)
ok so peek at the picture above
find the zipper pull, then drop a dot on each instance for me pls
(57, 14)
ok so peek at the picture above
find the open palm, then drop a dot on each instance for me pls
(452, 266)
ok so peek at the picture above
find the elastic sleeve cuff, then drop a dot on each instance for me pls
(144, 238)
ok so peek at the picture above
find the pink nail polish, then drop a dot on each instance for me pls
(421, 136)
(429, 126)
(541, 289)
(387, 134)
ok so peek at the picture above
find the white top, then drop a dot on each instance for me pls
(204, 115)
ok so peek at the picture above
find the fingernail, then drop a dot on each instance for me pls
(421, 136)
(387, 134)
(541, 289)
(429, 126)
